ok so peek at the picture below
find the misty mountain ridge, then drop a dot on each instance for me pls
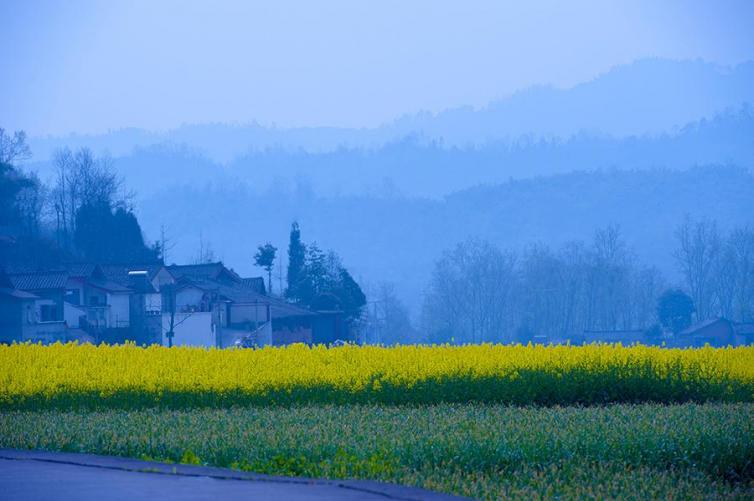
(648, 96)
(411, 167)
(398, 239)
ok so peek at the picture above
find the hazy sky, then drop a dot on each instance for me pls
(87, 66)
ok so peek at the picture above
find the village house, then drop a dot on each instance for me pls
(200, 305)
(214, 306)
(32, 305)
(77, 301)
(146, 283)
(717, 332)
(105, 303)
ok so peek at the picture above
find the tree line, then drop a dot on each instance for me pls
(481, 293)
(84, 212)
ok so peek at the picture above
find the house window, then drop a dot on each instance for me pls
(72, 296)
(93, 300)
(48, 313)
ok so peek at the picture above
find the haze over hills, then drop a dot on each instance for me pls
(544, 165)
(650, 96)
(411, 167)
(397, 239)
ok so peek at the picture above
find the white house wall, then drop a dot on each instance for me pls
(161, 278)
(191, 329)
(72, 314)
(119, 310)
(78, 286)
(153, 302)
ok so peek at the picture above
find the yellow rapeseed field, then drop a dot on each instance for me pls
(86, 376)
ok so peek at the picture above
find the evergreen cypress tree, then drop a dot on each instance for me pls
(296, 264)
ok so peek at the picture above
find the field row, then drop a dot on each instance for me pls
(86, 376)
(485, 451)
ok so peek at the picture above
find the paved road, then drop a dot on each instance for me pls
(32, 475)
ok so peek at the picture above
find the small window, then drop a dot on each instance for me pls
(93, 300)
(48, 313)
(72, 296)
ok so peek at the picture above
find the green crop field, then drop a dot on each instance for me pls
(689, 451)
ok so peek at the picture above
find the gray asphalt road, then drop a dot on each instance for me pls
(31, 475)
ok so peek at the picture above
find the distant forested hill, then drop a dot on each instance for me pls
(397, 239)
(411, 167)
(650, 96)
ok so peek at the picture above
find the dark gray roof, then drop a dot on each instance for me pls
(283, 309)
(80, 269)
(141, 282)
(701, 325)
(254, 283)
(108, 285)
(119, 272)
(278, 307)
(211, 271)
(16, 294)
(205, 285)
(22, 268)
(240, 291)
(41, 280)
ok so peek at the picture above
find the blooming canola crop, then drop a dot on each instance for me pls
(85, 376)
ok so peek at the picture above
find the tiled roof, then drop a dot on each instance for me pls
(108, 285)
(278, 307)
(254, 283)
(244, 290)
(141, 283)
(80, 269)
(706, 323)
(39, 280)
(206, 271)
(239, 294)
(282, 309)
(203, 284)
(119, 272)
(22, 268)
(16, 294)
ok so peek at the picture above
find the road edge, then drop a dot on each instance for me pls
(390, 491)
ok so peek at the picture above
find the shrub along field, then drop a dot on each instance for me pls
(130, 377)
(486, 451)
(484, 421)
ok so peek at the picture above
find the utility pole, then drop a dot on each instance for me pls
(280, 277)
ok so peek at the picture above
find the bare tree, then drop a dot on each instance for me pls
(609, 281)
(204, 254)
(166, 244)
(470, 294)
(30, 202)
(734, 276)
(696, 255)
(480, 293)
(13, 149)
(82, 179)
(648, 285)
(388, 320)
(541, 295)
